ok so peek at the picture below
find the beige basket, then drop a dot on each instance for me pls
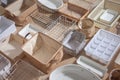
(100, 9)
(74, 11)
(12, 47)
(43, 50)
(19, 10)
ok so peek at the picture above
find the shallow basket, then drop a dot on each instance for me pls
(103, 46)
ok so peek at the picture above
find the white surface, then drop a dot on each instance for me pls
(6, 27)
(103, 46)
(72, 72)
(91, 65)
(108, 16)
(27, 29)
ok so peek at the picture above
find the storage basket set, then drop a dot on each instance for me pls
(45, 31)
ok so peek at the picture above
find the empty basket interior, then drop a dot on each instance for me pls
(13, 47)
(19, 6)
(60, 27)
(40, 48)
(22, 70)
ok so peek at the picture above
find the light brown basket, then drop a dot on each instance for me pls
(19, 10)
(12, 47)
(42, 50)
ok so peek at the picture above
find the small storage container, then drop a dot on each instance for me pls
(72, 72)
(43, 49)
(12, 47)
(6, 27)
(27, 32)
(20, 9)
(50, 5)
(73, 42)
(106, 14)
(103, 46)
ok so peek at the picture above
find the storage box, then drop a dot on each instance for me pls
(27, 32)
(74, 11)
(12, 48)
(99, 12)
(6, 28)
(42, 50)
(20, 9)
(103, 46)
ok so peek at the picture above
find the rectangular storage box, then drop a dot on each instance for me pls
(6, 27)
(74, 11)
(12, 47)
(27, 32)
(99, 12)
(103, 46)
(42, 49)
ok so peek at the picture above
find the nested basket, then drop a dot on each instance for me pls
(42, 50)
(12, 47)
(109, 6)
(19, 10)
(60, 27)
